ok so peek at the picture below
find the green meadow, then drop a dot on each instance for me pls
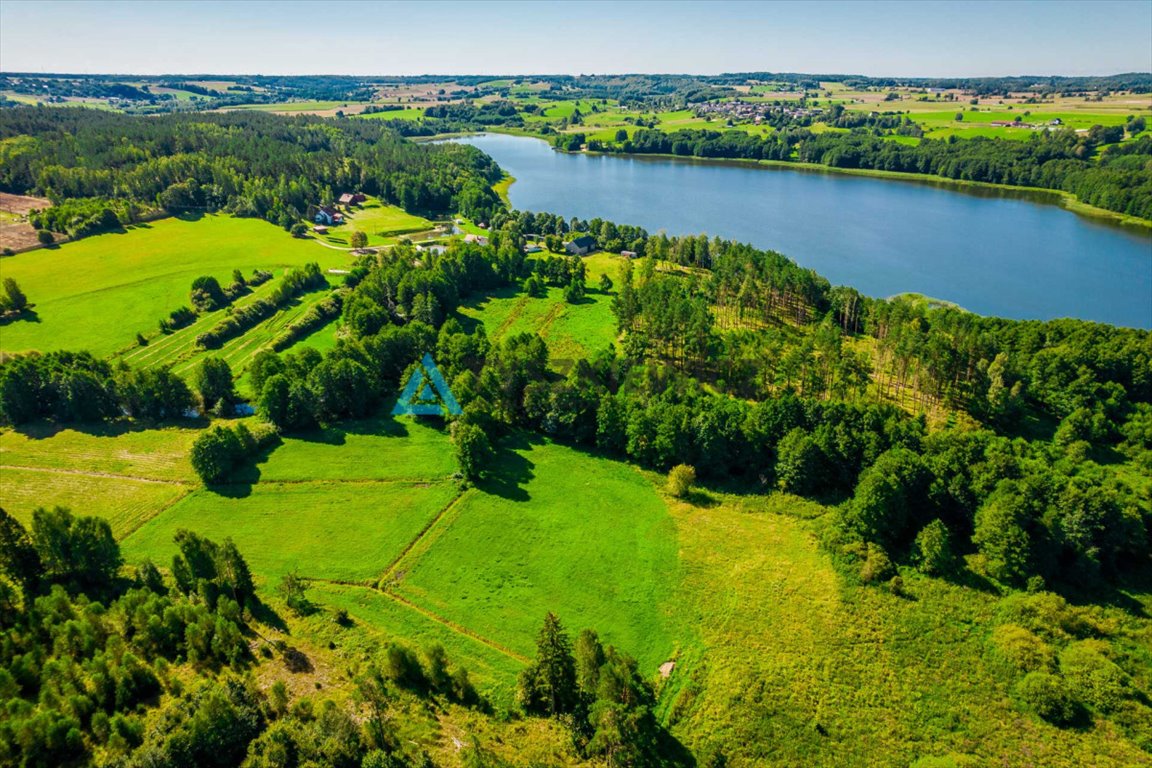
(381, 222)
(571, 330)
(770, 646)
(325, 530)
(99, 292)
(553, 530)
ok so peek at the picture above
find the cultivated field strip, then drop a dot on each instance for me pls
(125, 503)
(151, 455)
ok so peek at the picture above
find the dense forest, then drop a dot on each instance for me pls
(247, 164)
(967, 447)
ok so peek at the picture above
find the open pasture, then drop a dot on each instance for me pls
(97, 293)
(553, 530)
(344, 531)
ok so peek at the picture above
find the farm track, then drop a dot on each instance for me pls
(422, 534)
(447, 623)
(551, 317)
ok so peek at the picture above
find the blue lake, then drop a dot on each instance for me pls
(992, 254)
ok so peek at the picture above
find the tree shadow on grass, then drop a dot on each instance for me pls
(42, 430)
(510, 470)
(26, 315)
(265, 614)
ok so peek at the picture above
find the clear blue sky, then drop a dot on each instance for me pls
(378, 38)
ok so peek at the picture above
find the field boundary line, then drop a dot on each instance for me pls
(185, 493)
(87, 473)
(431, 615)
(459, 629)
(392, 566)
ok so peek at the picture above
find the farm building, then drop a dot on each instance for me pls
(628, 254)
(581, 246)
(532, 248)
(352, 198)
(320, 229)
(478, 239)
(328, 215)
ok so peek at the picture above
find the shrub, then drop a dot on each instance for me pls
(877, 565)
(680, 480)
(933, 549)
(1021, 649)
(1046, 695)
(207, 295)
(1092, 677)
(45, 237)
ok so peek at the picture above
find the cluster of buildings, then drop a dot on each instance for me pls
(330, 216)
(1018, 123)
(755, 112)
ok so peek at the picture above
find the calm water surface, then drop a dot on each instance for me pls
(994, 255)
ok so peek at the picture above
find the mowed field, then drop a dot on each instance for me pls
(382, 223)
(96, 294)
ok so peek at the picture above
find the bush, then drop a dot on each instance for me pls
(933, 549)
(877, 565)
(1093, 678)
(45, 237)
(1046, 695)
(1021, 650)
(680, 480)
(207, 295)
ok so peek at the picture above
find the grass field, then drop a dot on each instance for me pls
(380, 221)
(98, 293)
(339, 531)
(773, 651)
(123, 475)
(806, 671)
(555, 530)
(571, 330)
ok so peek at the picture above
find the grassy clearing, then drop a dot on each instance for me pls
(97, 293)
(150, 454)
(126, 504)
(379, 617)
(380, 221)
(571, 330)
(383, 448)
(338, 531)
(829, 674)
(554, 530)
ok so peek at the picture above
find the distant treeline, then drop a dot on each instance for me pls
(95, 165)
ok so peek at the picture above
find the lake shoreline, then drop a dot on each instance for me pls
(1056, 197)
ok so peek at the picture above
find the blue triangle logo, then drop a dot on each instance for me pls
(426, 393)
